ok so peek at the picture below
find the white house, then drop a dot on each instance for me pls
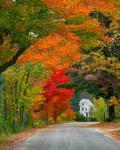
(85, 107)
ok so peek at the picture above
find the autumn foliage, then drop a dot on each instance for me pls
(82, 7)
(58, 34)
(58, 50)
(57, 99)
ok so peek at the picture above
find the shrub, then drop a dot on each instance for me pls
(39, 124)
(81, 118)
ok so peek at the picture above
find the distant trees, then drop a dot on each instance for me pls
(100, 109)
(98, 70)
(98, 27)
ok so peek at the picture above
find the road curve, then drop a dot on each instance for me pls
(69, 137)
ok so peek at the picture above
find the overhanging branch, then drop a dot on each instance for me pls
(12, 61)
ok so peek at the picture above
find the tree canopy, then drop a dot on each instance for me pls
(21, 24)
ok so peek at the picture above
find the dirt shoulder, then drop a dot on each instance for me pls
(8, 142)
(110, 128)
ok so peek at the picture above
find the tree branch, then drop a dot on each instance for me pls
(12, 61)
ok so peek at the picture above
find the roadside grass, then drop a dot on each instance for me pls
(5, 142)
(118, 131)
(3, 139)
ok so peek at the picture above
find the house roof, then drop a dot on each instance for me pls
(86, 102)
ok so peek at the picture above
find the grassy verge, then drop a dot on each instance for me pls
(5, 142)
(3, 139)
(118, 131)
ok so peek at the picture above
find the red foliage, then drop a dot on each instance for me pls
(57, 98)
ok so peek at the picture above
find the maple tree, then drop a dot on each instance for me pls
(82, 7)
(99, 36)
(22, 23)
(58, 99)
(68, 115)
(58, 50)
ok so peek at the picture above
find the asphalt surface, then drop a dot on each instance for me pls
(69, 137)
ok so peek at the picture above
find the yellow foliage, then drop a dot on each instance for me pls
(113, 101)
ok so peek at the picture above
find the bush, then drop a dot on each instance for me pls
(92, 119)
(100, 111)
(81, 118)
(39, 124)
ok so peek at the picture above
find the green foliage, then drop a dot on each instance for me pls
(75, 102)
(19, 94)
(100, 109)
(3, 139)
(118, 131)
(39, 124)
(76, 20)
(4, 126)
(81, 118)
(21, 24)
(64, 118)
(88, 39)
(117, 111)
(98, 70)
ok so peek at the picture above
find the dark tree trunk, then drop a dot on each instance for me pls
(55, 117)
(23, 113)
(112, 113)
(111, 108)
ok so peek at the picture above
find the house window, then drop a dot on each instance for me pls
(82, 108)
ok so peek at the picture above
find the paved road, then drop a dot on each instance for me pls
(69, 137)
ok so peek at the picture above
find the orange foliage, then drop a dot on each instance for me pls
(81, 6)
(89, 25)
(70, 114)
(57, 50)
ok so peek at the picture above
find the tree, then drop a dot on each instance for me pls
(98, 70)
(22, 23)
(82, 7)
(58, 50)
(100, 109)
(57, 99)
(20, 94)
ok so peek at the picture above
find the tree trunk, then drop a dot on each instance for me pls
(23, 111)
(55, 117)
(111, 113)
(111, 109)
